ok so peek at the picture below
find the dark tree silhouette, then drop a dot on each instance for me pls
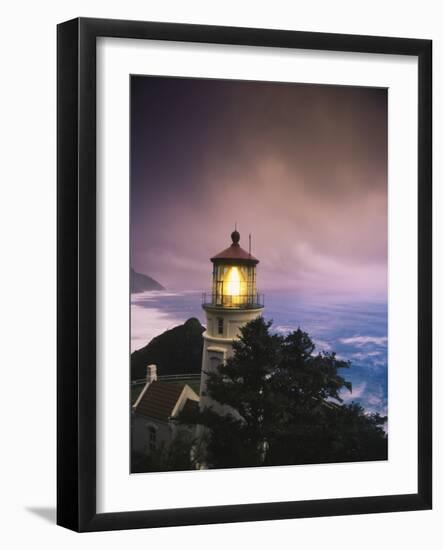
(282, 405)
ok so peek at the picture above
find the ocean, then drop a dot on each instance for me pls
(355, 330)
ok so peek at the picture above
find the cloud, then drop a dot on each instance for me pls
(301, 167)
(357, 392)
(284, 329)
(360, 341)
(322, 345)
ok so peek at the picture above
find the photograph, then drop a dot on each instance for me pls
(258, 273)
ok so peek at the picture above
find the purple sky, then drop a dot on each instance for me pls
(301, 167)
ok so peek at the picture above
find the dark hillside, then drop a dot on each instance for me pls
(141, 282)
(176, 351)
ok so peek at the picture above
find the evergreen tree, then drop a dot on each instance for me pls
(282, 405)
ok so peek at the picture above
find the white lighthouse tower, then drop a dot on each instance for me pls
(232, 303)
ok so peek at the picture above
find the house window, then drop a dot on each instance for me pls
(152, 438)
(220, 325)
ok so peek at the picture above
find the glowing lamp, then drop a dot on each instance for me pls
(233, 282)
(234, 277)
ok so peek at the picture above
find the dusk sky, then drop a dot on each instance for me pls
(301, 167)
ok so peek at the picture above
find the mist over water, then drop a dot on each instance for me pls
(355, 330)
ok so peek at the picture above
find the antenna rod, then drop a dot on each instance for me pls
(250, 244)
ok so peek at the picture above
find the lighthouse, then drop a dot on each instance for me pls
(232, 302)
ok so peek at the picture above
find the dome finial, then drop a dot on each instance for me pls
(235, 235)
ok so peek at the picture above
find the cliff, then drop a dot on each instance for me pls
(176, 351)
(141, 282)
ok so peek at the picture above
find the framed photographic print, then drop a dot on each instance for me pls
(244, 274)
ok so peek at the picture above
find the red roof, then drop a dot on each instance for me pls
(159, 400)
(235, 252)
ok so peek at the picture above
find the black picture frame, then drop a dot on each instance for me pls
(76, 294)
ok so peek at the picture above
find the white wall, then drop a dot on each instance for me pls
(27, 289)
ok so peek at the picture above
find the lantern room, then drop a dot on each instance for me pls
(234, 278)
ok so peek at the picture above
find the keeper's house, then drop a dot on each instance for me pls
(153, 428)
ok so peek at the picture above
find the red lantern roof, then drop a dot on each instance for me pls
(235, 253)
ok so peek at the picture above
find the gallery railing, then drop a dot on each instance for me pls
(237, 301)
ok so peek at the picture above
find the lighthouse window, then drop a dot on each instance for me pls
(220, 325)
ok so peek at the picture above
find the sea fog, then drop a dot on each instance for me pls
(355, 330)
